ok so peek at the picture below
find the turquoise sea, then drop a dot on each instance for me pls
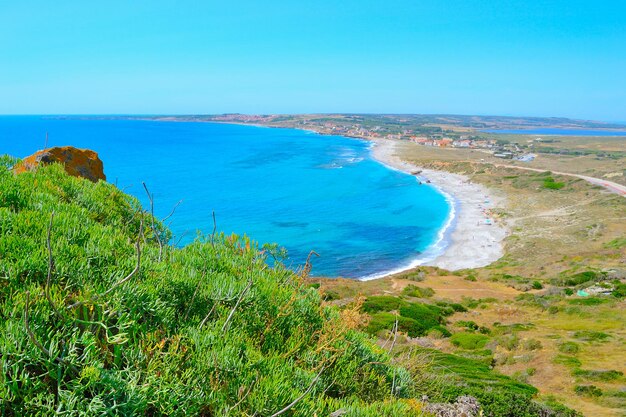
(301, 190)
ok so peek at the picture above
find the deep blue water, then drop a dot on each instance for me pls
(301, 190)
(561, 132)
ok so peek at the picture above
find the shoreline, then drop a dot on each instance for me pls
(466, 241)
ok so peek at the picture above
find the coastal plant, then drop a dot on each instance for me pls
(98, 317)
(469, 341)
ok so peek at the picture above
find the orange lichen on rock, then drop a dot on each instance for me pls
(82, 163)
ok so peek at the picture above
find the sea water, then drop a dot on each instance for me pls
(304, 191)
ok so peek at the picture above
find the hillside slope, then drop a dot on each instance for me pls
(99, 315)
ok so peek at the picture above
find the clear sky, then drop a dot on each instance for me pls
(503, 57)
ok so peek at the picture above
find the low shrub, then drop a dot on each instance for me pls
(467, 324)
(589, 301)
(469, 341)
(591, 336)
(417, 292)
(509, 341)
(588, 390)
(531, 344)
(567, 361)
(605, 376)
(330, 295)
(568, 347)
(581, 278)
(386, 321)
(439, 332)
(428, 315)
(378, 303)
(620, 290)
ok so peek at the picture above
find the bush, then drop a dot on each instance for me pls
(537, 285)
(581, 278)
(532, 344)
(467, 324)
(428, 315)
(569, 347)
(620, 290)
(605, 376)
(509, 342)
(418, 292)
(378, 303)
(588, 390)
(469, 341)
(439, 332)
(567, 361)
(330, 295)
(386, 321)
(552, 185)
(591, 336)
(589, 301)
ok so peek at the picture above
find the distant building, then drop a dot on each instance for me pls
(462, 143)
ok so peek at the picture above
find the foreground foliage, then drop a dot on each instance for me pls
(96, 324)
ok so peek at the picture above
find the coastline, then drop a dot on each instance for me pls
(466, 241)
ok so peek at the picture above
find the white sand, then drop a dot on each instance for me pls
(471, 242)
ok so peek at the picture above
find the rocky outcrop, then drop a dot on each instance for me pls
(82, 163)
(465, 406)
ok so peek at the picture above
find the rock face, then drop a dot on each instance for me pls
(82, 163)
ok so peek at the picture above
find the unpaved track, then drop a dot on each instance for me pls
(609, 185)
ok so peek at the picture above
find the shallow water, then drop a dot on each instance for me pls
(301, 190)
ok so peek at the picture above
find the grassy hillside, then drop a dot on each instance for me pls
(99, 316)
(208, 330)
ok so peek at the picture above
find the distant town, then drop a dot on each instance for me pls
(439, 131)
(425, 135)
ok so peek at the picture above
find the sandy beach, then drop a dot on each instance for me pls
(474, 239)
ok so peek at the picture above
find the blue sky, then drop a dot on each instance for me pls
(504, 57)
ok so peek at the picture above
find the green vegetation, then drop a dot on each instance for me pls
(588, 390)
(499, 395)
(620, 290)
(537, 285)
(569, 347)
(579, 278)
(591, 336)
(417, 292)
(111, 322)
(569, 361)
(616, 243)
(375, 304)
(551, 184)
(414, 319)
(589, 301)
(609, 375)
(469, 341)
